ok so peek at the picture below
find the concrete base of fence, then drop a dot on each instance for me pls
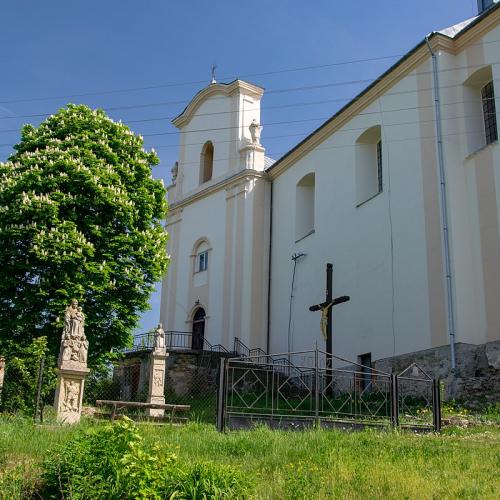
(69, 394)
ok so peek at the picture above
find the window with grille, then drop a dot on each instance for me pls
(489, 112)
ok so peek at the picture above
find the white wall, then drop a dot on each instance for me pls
(377, 249)
(387, 253)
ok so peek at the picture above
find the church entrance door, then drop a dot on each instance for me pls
(198, 329)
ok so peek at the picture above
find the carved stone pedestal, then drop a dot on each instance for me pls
(157, 381)
(69, 394)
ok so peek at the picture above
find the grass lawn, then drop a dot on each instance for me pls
(459, 463)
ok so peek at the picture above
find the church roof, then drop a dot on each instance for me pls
(454, 30)
(268, 162)
(398, 70)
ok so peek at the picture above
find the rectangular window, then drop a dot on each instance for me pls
(379, 165)
(489, 112)
(203, 261)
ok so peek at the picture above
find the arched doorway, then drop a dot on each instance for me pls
(198, 329)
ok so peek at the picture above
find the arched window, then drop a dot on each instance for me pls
(304, 206)
(480, 110)
(206, 162)
(369, 165)
(201, 256)
(198, 329)
(200, 261)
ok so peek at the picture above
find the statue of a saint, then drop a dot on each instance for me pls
(159, 342)
(255, 130)
(80, 317)
(71, 320)
(74, 344)
(71, 395)
(84, 349)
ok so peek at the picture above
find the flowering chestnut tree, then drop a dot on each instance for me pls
(80, 217)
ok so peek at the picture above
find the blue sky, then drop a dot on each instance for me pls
(54, 51)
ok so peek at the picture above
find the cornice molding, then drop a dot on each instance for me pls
(227, 89)
(228, 182)
(405, 66)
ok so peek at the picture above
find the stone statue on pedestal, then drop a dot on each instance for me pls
(72, 365)
(157, 368)
(159, 342)
(255, 131)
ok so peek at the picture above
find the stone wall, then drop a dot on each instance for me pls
(187, 375)
(476, 377)
(132, 374)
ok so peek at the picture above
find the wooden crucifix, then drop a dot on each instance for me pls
(326, 315)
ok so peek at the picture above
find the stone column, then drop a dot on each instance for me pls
(157, 363)
(72, 366)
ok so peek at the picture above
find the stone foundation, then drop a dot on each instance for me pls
(185, 375)
(132, 374)
(476, 377)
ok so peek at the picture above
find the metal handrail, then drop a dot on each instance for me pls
(173, 340)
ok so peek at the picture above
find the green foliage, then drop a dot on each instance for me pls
(21, 376)
(80, 217)
(206, 480)
(114, 462)
(100, 384)
(320, 464)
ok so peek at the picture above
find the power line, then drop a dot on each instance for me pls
(276, 91)
(230, 78)
(307, 103)
(287, 122)
(391, 141)
(399, 124)
(197, 82)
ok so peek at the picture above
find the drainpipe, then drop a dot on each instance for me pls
(444, 207)
(268, 339)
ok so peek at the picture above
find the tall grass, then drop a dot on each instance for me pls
(460, 463)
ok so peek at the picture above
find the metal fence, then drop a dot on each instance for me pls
(190, 378)
(27, 386)
(302, 389)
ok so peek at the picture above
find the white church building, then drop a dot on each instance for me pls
(399, 190)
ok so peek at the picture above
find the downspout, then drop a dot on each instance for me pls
(268, 339)
(444, 207)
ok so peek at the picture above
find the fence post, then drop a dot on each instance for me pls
(394, 400)
(221, 399)
(316, 387)
(2, 374)
(436, 404)
(39, 391)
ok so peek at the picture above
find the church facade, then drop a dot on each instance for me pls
(399, 190)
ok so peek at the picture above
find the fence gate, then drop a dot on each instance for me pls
(311, 388)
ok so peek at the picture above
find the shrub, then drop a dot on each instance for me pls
(21, 375)
(114, 462)
(208, 480)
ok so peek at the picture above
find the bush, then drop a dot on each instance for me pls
(209, 480)
(114, 462)
(21, 376)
